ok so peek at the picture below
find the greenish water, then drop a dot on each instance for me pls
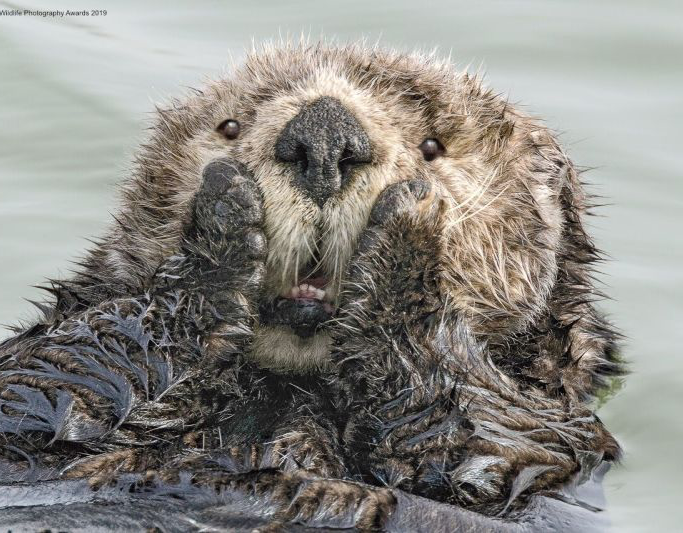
(75, 95)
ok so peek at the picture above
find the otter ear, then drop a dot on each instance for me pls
(570, 350)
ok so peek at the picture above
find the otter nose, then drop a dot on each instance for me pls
(326, 142)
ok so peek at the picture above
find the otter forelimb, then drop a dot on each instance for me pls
(118, 374)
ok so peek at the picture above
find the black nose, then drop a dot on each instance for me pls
(326, 142)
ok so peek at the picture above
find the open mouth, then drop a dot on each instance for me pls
(304, 308)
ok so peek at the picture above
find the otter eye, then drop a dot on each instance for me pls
(431, 149)
(230, 129)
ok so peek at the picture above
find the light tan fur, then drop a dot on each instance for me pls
(279, 349)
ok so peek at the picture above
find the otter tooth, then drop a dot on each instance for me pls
(304, 290)
(307, 291)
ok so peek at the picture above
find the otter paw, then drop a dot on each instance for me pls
(393, 278)
(297, 450)
(406, 198)
(337, 503)
(226, 240)
(402, 208)
(228, 201)
(299, 497)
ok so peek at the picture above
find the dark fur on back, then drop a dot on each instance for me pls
(465, 352)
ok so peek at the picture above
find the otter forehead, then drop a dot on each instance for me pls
(388, 78)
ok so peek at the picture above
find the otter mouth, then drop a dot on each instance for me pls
(304, 308)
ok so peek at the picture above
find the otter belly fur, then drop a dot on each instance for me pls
(339, 275)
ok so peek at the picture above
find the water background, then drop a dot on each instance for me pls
(76, 95)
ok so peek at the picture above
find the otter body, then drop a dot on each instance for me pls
(338, 274)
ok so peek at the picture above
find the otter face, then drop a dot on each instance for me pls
(324, 131)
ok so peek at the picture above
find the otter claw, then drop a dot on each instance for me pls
(399, 199)
(420, 188)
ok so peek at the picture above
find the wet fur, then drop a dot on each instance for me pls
(466, 349)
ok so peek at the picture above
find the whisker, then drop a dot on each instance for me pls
(475, 213)
(478, 193)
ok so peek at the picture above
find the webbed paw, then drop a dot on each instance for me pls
(394, 275)
(225, 248)
(299, 497)
(390, 301)
(337, 503)
(228, 202)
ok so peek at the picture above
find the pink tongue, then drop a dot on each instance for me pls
(318, 283)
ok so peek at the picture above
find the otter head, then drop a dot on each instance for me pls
(324, 130)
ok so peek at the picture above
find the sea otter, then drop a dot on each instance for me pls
(337, 274)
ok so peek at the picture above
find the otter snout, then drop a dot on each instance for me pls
(326, 142)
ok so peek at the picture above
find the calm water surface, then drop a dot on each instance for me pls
(75, 97)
